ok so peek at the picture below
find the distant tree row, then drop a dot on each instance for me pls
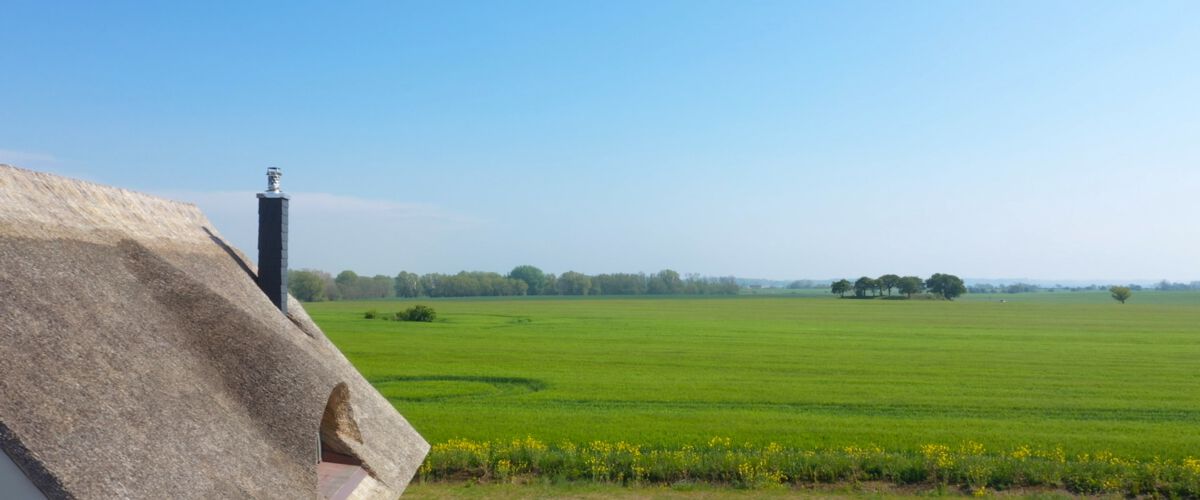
(1167, 286)
(947, 286)
(463, 284)
(1028, 288)
(1012, 288)
(312, 285)
(534, 281)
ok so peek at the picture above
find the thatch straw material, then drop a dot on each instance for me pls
(138, 358)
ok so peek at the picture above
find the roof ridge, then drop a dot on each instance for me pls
(95, 184)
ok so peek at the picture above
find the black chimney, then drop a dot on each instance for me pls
(272, 241)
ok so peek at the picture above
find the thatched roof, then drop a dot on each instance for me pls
(138, 358)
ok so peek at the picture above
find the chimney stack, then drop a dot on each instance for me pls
(272, 241)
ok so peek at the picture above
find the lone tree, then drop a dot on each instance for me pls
(1121, 293)
(948, 286)
(909, 285)
(840, 287)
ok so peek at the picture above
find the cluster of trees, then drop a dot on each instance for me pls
(312, 285)
(947, 286)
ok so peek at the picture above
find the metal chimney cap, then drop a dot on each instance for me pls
(273, 176)
(273, 190)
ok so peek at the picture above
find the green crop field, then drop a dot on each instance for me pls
(1067, 390)
(1075, 370)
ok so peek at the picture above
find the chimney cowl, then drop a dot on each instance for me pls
(274, 174)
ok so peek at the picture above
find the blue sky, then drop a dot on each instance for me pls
(1054, 140)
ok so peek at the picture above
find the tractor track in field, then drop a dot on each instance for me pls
(494, 386)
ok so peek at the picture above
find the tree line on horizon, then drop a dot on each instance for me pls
(1015, 288)
(1168, 286)
(946, 286)
(312, 285)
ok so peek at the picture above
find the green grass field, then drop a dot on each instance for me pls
(1075, 370)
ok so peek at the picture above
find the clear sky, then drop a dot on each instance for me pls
(788, 139)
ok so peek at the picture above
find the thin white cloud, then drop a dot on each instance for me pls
(20, 158)
(379, 209)
(325, 205)
(334, 232)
